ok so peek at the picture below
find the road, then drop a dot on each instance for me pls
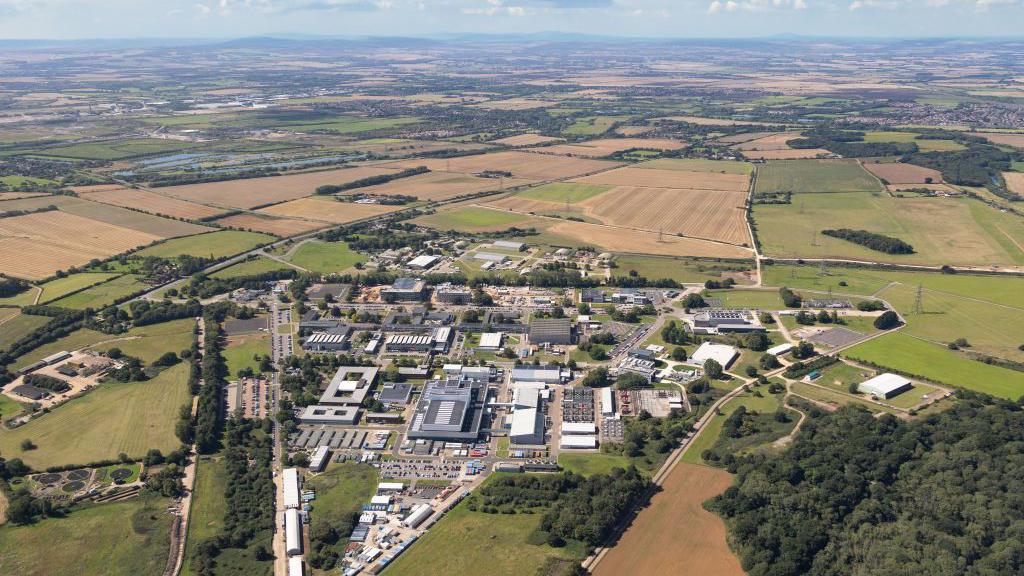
(178, 547)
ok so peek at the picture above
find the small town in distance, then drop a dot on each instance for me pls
(511, 305)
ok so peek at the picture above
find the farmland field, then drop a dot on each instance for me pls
(675, 534)
(248, 267)
(251, 192)
(210, 245)
(662, 178)
(472, 219)
(560, 192)
(283, 227)
(453, 546)
(77, 339)
(1015, 182)
(153, 203)
(937, 363)
(898, 173)
(697, 165)
(785, 154)
(772, 142)
(926, 145)
(18, 325)
(115, 149)
(524, 165)
(206, 515)
(956, 231)
(325, 257)
(678, 269)
(133, 535)
(115, 417)
(1008, 139)
(60, 287)
(148, 343)
(808, 176)
(102, 295)
(609, 146)
(759, 299)
(525, 140)
(435, 186)
(640, 242)
(343, 125)
(328, 209)
(37, 245)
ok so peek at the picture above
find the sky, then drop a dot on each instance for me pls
(75, 19)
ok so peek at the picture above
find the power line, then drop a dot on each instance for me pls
(919, 300)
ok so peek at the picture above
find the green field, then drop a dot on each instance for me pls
(210, 245)
(679, 269)
(593, 125)
(808, 176)
(148, 343)
(477, 544)
(206, 516)
(713, 428)
(698, 165)
(116, 149)
(119, 539)
(19, 181)
(759, 299)
(257, 265)
(955, 231)
(325, 257)
(9, 408)
(60, 287)
(102, 295)
(911, 137)
(19, 326)
(571, 192)
(115, 417)
(342, 125)
(341, 490)
(937, 363)
(241, 350)
(473, 219)
(831, 397)
(591, 463)
(74, 341)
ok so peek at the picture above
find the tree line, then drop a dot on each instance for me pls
(872, 240)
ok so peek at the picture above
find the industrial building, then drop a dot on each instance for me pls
(580, 442)
(491, 340)
(491, 257)
(527, 418)
(545, 374)
(550, 331)
(885, 385)
(779, 350)
(290, 481)
(417, 515)
(295, 567)
(725, 321)
(329, 415)
(640, 366)
(607, 402)
(423, 262)
(292, 532)
(437, 341)
(350, 385)
(319, 459)
(451, 294)
(579, 428)
(630, 296)
(333, 340)
(720, 353)
(509, 244)
(395, 394)
(405, 290)
(450, 410)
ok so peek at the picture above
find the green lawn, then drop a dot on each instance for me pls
(591, 462)
(342, 125)
(831, 397)
(759, 299)
(257, 265)
(74, 341)
(241, 350)
(9, 408)
(102, 295)
(678, 269)
(119, 539)
(804, 176)
(210, 245)
(473, 219)
(150, 342)
(593, 125)
(571, 192)
(477, 544)
(713, 428)
(19, 181)
(206, 518)
(19, 326)
(326, 257)
(937, 363)
(115, 417)
(60, 287)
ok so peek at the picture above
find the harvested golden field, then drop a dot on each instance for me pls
(95, 188)
(660, 178)
(521, 164)
(282, 227)
(744, 137)
(515, 104)
(784, 154)
(898, 173)
(700, 121)
(1002, 138)
(152, 203)
(19, 195)
(615, 239)
(608, 146)
(36, 245)
(773, 142)
(935, 187)
(712, 214)
(525, 140)
(327, 209)
(675, 534)
(251, 192)
(440, 186)
(633, 130)
(1015, 181)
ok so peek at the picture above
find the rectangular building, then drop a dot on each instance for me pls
(527, 427)
(319, 459)
(423, 262)
(545, 374)
(408, 343)
(334, 340)
(885, 385)
(607, 402)
(449, 410)
(491, 257)
(449, 294)
(350, 385)
(573, 442)
(292, 532)
(551, 331)
(720, 353)
(290, 485)
(509, 244)
(726, 321)
(330, 415)
(405, 290)
(295, 567)
(579, 428)
(491, 340)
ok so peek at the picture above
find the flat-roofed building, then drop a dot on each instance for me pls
(779, 350)
(720, 353)
(545, 374)
(527, 425)
(333, 340)
(405, 290)
(451, 294)
(726, 321)
(395, 394)
(579, 428)
(449, 410)
(509, 245)
(577, 442)
(319, 459)
(350, 385)
(329, 415)
(408, 343)
(491, 340)
(550, 331)
(491, 257)
(885, 385)
(423, 262)
(290, 485)
(607, 402)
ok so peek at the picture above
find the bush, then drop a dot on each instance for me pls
(887, 321)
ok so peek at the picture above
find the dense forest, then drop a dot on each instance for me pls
(877, 242)
(858, 495)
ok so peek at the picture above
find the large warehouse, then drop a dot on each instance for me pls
(720, 353)
(885, 385)
(550, 331)
(450, 410)
(527, 417)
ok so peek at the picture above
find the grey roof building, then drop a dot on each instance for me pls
(451, 409)
(395, 394)
(350, 385)
(551, 331)
(405, 289)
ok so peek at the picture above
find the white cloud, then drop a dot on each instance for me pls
(755, 5)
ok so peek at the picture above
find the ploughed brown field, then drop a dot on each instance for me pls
(521, 164)
(251, 192)
(151, 202)
(898, 173)
(327, 209)
(675, 535)
(608, 146)
(35, 246)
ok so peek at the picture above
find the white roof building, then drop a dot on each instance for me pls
(295, 566)
(291, 487)
(720, 353)
(574, 442)
(527, 427)
(491, 340)
(579, 427)
(423, 262)
(780, 349)
(885, 385)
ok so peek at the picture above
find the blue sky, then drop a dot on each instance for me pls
(676, 18)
